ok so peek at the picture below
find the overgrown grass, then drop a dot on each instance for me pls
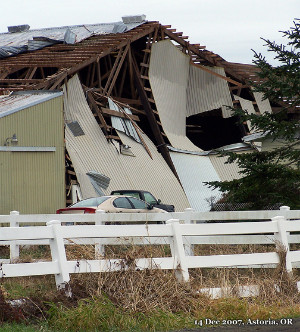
(149, 300)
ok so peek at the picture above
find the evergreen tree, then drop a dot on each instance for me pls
(272, 177)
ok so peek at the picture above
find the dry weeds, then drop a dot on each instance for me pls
(148, 291)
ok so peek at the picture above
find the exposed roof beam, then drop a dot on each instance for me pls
(216, 74)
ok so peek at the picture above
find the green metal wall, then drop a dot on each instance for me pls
(33, 182)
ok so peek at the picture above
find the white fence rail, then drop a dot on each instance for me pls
(180, 234)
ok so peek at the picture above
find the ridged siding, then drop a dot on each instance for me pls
(168, 73)
(246, 105)
(226, 172)
(181, 90)
(206, 92)
(33, 182)
(92, 152)
(263, 104)
(193, 171)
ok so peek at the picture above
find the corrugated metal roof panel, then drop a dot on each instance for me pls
(20, 40)
(193, 171)
(168, 73)
(246, 105)
(263, 104)
(20, 100)
(92, 152)
(226, 172)
(206, 92)
(181, 90)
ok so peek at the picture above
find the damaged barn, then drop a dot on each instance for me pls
(143, 107)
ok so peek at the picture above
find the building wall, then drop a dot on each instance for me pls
(33, 181)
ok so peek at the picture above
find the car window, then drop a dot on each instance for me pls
(149, 198)
(94, 201)
(122, 202)
(137, 203)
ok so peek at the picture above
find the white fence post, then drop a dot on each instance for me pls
(282, 238)
(58, 253)
(177, 250)
(99, 248)
(189, 248)
(14, 247)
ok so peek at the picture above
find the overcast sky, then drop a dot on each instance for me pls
(230, 28)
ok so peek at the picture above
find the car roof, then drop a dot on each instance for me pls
(130, 191)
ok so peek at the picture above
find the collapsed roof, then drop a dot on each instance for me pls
(145, 84)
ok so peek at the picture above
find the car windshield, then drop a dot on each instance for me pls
(149, 198)
(90, 202)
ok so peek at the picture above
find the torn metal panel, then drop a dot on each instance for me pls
(206, 92)
(263, 104)
(26, 40)
(153, 174)
(226, 172)
(193, 171)
(92, 152)
(121, 124)
(99, 181)
(168, 74)
(246, 105)
(181, 90)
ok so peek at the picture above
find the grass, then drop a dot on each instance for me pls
(149, 300)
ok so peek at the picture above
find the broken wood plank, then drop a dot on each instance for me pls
(216, 74)
(128, 101)
(107, 111)
(98, 112)
(117, 138)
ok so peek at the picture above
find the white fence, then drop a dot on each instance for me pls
(180, 232)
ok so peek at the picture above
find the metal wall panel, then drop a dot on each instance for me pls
(263, 104)
(92, 152)
(246, 105)
(181, 90)
(168, 74)
(206, 92)
(33, 182)
(226, 172)
(193, 171)
(14, 43)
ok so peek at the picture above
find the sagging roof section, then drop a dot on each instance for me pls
(132, 90)
(92, 152)
(31, 40)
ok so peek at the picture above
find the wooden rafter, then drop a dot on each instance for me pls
(205, 68)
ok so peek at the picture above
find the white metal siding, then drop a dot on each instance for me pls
(226, 172)
(263, 105)
(92, 152)
(206, 92)
(168, 73)
(246, 105)
(193, 171)
(181, 90)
